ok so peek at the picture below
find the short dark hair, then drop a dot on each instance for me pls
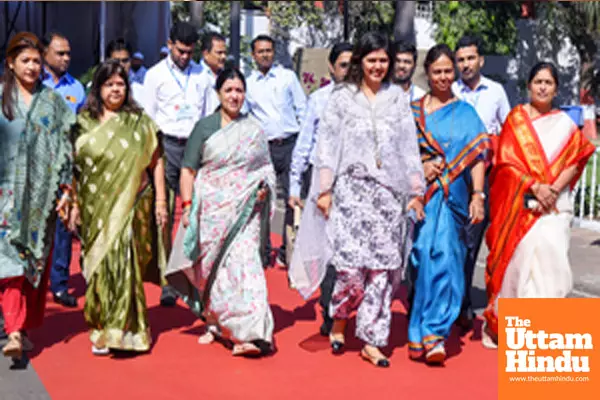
(183, 32)
(468, 41)
(93, 104)
(435, 53)
(402, 46)
(369, 42)
(541, 66)
(117, 45)
(262, 38)
(229, 73)
(49, 36)
(207, 40)
(338, 49)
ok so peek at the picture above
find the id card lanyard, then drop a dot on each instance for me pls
(187, 81)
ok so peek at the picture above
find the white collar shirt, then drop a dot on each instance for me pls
(173, 98)
(211, 98)
(489, 100)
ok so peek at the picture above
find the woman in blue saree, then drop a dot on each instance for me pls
(453, 146)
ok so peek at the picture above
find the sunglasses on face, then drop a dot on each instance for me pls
(184, 52)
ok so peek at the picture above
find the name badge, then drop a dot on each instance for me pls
(184, 112)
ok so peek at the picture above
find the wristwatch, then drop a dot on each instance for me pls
(480, 194)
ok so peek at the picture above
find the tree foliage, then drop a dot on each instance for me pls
(493, 22)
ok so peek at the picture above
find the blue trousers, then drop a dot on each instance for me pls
(61, 258)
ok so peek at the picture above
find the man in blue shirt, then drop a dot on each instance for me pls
(276, 98)
(304, 156)
(57, 57)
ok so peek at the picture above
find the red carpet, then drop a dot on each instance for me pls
(302, 367)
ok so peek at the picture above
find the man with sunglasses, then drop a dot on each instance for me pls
(173, 98)
(305, 152)
(57, 58)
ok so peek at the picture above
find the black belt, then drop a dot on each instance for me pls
(175, 139)
(280, 142)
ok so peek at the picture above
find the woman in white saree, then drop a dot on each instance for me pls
(540, 157)
(226, 182)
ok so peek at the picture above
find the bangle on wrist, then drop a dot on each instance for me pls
(187, 203)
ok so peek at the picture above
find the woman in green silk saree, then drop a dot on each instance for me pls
(35, 158)
(216, 263)
(122, 210)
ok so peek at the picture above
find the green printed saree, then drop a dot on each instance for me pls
(121, 241)
(216, 263)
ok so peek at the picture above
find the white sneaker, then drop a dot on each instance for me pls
(100, 352)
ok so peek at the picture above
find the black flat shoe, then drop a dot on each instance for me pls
(337, 347)
(381, 363)
(65, 299)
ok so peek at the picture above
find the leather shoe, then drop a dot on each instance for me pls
(465, 320)
(325, 328)
(65, 299)
(168, 297)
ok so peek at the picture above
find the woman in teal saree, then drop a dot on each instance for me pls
(453, 148)
(122, 211)
(35, 158)
(216, 263)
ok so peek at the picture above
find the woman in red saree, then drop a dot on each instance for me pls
(541, 155)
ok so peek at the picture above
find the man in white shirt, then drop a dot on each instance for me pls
(173, 91)
(173, 98)
(305, 153)
(214, 55)
(491, 103)
(276, 98)
(404, 68)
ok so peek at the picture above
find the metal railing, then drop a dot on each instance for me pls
(587, 193)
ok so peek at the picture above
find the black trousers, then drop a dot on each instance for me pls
(173, 148)
(474, 237)
(281, 156)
